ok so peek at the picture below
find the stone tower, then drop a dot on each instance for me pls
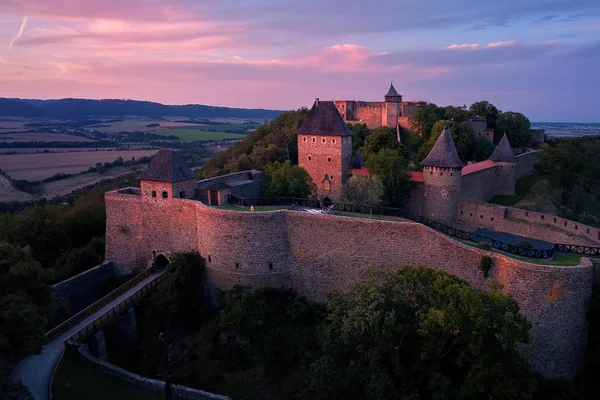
(442, 180)
(325, 149)
(506, 171)
(391, 111)
(167, 177)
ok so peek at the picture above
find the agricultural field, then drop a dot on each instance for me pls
(36, 167)
(41, 137)
(192, 135)
(10, 193)
(52, 149)
(65, 186)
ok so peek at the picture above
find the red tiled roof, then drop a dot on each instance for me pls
(480, 166)
(359, 171)
(415, 176)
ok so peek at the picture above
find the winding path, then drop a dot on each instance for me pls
(36, 371)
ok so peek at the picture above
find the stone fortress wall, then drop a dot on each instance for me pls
(317, 254)
(526, 162)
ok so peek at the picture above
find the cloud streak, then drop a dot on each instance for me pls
(20, 33)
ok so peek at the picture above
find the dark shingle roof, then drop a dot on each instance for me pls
(392, 91)
(324, 119)
(167, 166)
(443, 154)
(357, 161)
(503, 152)
(218, 186)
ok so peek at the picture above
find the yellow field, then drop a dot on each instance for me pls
(35, 167)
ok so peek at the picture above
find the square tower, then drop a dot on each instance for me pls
(167, 177)
(391, 112)
(325, 149)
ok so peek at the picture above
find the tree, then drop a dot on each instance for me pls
(359, 134)
(516, 126)
(487, 110)
(482, 148)
(381, 138)
(562, 164)
(363, 190)
(390, 167)
(422, 119)
(463, 135)
(181, 290)
(286, 180)
(421, 334)
(100, 168)
(456, 114)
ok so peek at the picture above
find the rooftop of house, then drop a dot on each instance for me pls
(167, 166)
(443, 154)
(324, 119)
(415, 176)
(392, 91)
(503, 152)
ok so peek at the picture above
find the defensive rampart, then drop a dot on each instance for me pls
(526, 162)
(479, 185)
(318, 254)
(527, 223)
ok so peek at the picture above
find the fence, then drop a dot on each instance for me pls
(438, 226)
(86, 312)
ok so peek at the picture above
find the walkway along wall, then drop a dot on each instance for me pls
(531, 224)
(318, 254)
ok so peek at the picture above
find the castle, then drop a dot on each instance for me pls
(318, 254)
(392, 112)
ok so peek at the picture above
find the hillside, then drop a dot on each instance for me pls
(77, 108)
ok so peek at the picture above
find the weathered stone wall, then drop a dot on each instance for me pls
(372, 116)
(318, 254)
(417, 195)
(441, 192)
(480, 185)
(391, 114)
(327, 161)
(527, 223)
(246, 184)
(82, 290)
(506, 176)
(526, 163)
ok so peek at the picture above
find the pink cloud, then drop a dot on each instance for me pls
(503, 44)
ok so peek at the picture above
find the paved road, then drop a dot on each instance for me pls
(35, 371)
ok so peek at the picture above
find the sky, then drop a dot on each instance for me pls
(539, 57)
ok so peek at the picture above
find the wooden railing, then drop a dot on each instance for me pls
(97, 323)
(86, 312)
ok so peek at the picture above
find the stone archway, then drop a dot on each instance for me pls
(161, 261)
(327, 202)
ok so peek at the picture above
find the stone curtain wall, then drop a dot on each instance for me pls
(318, 254)
(526, 163)
(81, 290)
(480, 185)
(372, 116)
(527, 223)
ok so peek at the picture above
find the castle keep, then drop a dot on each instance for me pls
(317, 254)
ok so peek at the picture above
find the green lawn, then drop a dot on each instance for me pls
(75, 380)
(522, 187)
(192, 135)
(561, 259)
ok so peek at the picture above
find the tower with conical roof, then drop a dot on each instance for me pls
(325, 149)
(442, 180)
(391, 112)
(506, 171)
(167, 177)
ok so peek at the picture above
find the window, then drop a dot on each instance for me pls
(331, 177)
(182, 194)
(271, 266)
(304, 139)
(165, 195)
(323, 140)
(333, 141)
(328, 159)
(314, 140)
(309, 158)
(237, 266)
(209, 259)
(154, 193)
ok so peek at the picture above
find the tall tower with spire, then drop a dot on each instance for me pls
(506, 171)
(391, 112)
(442, 180)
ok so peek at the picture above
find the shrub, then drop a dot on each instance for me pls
(524, 244)
(484, 245)
(486, 265)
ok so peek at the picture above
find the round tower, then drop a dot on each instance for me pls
(506, 171)
(442, 180)
(391, 111)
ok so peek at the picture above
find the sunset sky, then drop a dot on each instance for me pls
(540, 57)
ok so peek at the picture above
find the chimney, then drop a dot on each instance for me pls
(317, 101)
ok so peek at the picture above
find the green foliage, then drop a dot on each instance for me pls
(286, 180)
(487, 110)
(563, 164)
(456, 114)
(26, 302)
(14, 390)
(268, 143)
(421, 334)
(516, 126)
(359, 134)
(422, 119)
(463, 136)
(381, 138)
(181, 290)
(482, 148)
(80, 259)
(363, 190)
(485, 246)
(390, 167)
(486, 265)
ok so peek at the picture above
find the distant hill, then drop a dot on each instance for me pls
(78, 108)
